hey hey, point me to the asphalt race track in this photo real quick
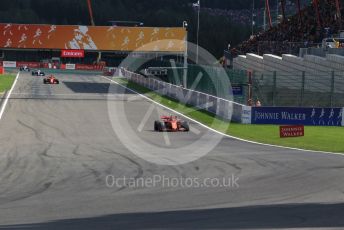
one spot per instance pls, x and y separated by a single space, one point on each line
57 147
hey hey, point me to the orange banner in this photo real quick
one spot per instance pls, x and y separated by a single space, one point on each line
103 38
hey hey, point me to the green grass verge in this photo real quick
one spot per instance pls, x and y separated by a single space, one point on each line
316 138
328 139
6 82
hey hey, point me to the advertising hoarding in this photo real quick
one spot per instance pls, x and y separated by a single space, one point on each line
297 116
73 53
103 38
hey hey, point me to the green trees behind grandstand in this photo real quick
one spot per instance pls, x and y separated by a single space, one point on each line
216 32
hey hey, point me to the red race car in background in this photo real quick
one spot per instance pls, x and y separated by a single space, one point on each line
171 124
51 80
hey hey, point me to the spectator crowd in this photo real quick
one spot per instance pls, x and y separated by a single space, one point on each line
236 16
244 16
295 32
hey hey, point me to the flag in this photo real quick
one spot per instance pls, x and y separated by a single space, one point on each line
197 4
338 14
267 9
316 6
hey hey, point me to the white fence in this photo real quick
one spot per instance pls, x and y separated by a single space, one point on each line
220 107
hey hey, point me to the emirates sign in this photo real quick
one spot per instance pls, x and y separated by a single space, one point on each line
73 53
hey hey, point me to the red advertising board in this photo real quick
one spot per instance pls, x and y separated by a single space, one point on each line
73 53
292 131
28 64
88 67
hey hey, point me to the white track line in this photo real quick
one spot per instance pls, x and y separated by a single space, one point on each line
218 132
8 96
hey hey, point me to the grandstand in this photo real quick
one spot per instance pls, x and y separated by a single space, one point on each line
290 63
306 29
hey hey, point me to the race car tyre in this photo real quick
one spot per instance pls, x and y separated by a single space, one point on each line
186 126
156 125
162 127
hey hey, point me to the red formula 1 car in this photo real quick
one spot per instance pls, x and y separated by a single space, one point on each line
171 124
51 80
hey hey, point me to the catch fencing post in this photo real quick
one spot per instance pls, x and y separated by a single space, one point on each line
217 106
302 88
274 89
250 85
207 103
198 100
332 88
